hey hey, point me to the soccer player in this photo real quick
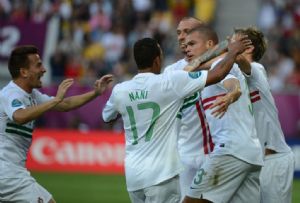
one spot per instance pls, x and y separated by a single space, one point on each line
194 141
20 105
276 177
148 104
231 172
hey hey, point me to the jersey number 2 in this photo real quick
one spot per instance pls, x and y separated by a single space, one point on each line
147 105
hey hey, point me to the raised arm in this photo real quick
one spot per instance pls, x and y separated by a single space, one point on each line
76 101
22 116
235 47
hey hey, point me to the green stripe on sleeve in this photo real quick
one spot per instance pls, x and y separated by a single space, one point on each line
13 125
18 132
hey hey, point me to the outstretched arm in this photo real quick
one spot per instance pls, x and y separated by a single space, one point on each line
235 47
74 102
22 116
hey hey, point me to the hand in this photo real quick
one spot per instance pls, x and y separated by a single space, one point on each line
63 87
221 105
240 59
101 85
238 43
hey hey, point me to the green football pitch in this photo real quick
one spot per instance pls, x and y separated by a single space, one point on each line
92 188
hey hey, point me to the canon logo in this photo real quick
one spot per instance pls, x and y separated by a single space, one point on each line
46 150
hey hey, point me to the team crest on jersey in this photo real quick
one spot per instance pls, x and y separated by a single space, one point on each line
16 103
195 75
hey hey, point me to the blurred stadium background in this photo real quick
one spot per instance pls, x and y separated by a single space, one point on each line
75 155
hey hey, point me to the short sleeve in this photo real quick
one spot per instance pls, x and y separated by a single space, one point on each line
258 75
110 112
12 102
185 83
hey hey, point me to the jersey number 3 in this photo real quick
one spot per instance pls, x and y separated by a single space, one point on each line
155 115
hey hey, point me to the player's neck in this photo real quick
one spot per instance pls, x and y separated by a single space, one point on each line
23 85
146 70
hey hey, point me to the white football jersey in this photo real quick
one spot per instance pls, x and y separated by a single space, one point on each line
15 139
235 132
268 126
148 105
194 135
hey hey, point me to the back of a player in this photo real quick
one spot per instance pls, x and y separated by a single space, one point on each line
149 114
277 173
149 104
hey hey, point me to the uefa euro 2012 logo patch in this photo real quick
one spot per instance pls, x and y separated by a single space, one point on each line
195 75
16 103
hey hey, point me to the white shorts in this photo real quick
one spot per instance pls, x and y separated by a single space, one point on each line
277 178
23 190
165 192
191 166
224 178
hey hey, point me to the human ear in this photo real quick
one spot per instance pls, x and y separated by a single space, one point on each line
209 44
24 72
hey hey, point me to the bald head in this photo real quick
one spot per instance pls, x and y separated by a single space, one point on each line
184 26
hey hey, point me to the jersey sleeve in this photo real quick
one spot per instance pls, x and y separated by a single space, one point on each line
110 111
11 103
185 83
258 75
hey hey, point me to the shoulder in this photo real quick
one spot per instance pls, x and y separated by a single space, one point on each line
259 69
178 65
9 90
257 66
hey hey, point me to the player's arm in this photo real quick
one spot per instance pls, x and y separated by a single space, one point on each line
244 64
220 106
206 58
76 101
110 113
25 115
235 47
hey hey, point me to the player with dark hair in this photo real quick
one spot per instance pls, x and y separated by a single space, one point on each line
148 104
194 141
20 105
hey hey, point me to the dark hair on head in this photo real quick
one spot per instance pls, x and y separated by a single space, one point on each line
19 59
145 51
207 32
258 41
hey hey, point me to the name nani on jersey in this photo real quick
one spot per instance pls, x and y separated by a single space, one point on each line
138 95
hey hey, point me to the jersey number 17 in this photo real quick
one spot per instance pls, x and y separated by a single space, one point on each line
155 115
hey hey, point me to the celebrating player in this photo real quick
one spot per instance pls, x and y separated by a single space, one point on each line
276 177
232 169
20 104
148 105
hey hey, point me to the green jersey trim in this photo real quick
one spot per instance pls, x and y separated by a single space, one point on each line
18 132
13 125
